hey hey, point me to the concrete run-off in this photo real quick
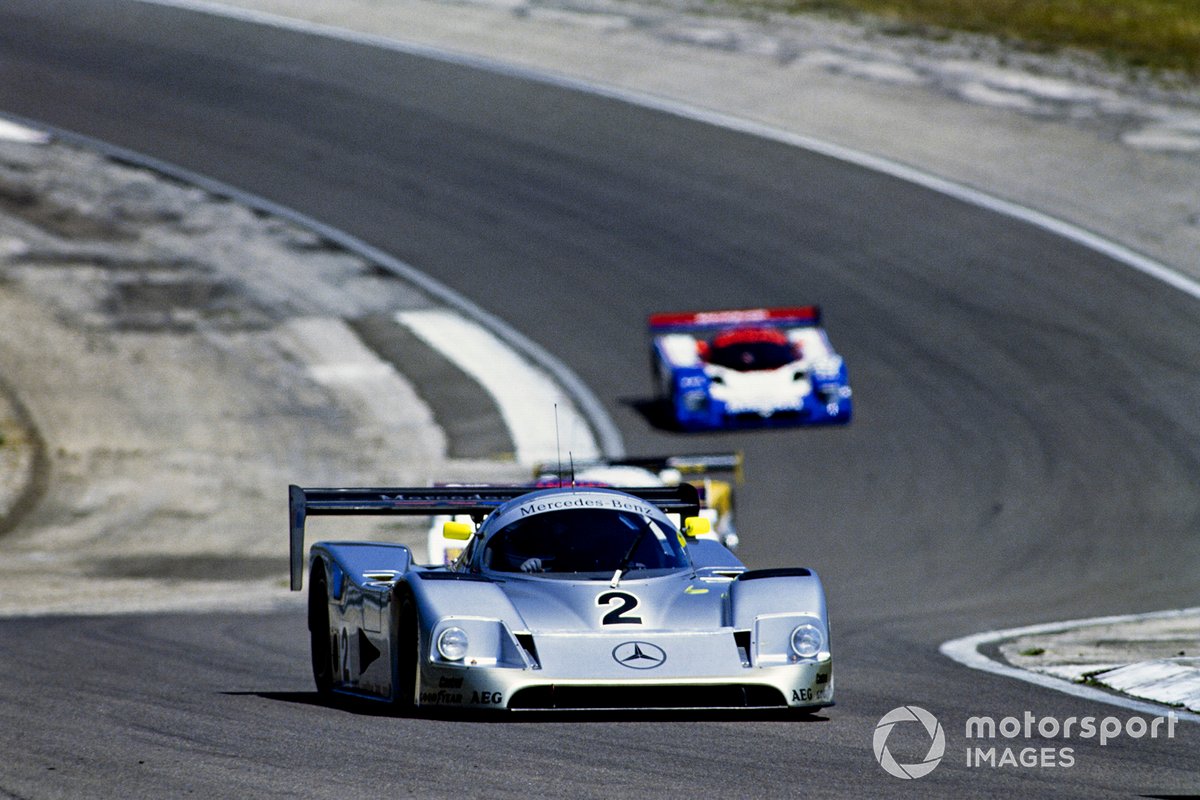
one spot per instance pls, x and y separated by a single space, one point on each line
181 360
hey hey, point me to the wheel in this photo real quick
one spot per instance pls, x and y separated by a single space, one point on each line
408 649
318 627
656 376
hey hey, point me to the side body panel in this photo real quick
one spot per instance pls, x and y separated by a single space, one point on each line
360 578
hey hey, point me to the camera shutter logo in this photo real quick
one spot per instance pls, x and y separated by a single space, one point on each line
937 745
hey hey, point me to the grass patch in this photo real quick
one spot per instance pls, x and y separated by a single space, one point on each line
1033 651
1160 35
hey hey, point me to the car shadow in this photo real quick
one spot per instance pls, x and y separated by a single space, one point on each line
374 708
656 411
638 715
659 415
353 705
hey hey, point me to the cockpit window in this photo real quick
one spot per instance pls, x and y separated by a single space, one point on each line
585 542
749 356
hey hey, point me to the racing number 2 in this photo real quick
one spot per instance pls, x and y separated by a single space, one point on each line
624 603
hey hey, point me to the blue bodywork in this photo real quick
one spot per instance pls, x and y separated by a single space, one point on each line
694 408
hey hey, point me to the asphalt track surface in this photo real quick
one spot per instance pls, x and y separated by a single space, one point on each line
1026 445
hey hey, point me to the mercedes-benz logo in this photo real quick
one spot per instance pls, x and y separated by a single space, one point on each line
638 655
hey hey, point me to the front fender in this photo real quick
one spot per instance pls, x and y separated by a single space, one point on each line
772 604
790 590
447 594
475 606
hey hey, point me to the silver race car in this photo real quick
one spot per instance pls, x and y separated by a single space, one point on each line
563 598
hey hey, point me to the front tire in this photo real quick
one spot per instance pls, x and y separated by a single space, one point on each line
408 650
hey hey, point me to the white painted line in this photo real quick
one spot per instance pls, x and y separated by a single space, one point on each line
337 358
12 132
526 396
966 652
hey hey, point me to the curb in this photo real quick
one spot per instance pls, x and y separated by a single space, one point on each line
970 652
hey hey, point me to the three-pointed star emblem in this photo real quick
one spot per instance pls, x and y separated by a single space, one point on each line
639 655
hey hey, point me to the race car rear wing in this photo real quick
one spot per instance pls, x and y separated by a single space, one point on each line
430 501
709 321
697 464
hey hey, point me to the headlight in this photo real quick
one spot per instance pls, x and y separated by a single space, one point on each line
452 644
807 640
695 400
828 368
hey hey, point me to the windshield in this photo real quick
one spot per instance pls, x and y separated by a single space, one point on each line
747 356
585 542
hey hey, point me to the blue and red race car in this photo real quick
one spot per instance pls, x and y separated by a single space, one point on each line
759 366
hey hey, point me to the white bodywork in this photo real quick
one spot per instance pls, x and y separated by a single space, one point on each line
440 550
761 391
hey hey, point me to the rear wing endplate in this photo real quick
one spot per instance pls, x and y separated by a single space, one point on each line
430 501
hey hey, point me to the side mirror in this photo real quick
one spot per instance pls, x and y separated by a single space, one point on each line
696 526
459 531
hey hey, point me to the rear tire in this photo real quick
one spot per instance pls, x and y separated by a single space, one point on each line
656 379
318 627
